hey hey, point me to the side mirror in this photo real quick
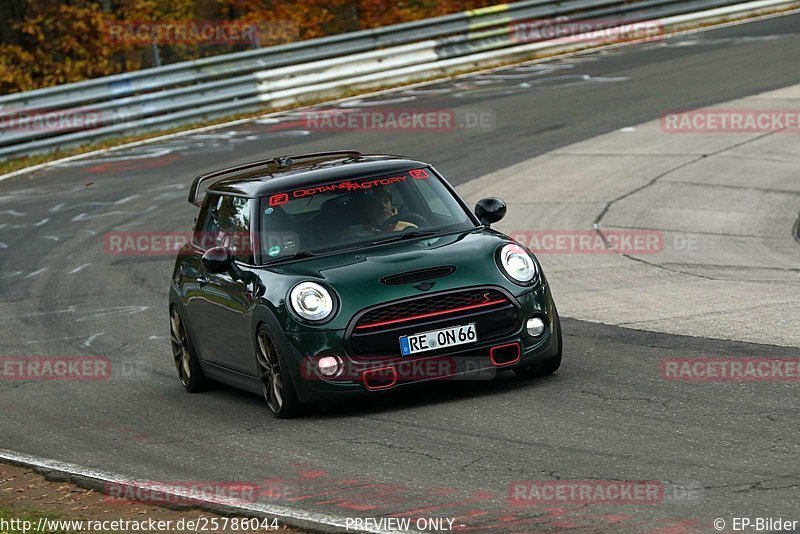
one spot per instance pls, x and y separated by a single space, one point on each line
490 210
218 260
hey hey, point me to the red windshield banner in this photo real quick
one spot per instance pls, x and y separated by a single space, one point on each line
348 185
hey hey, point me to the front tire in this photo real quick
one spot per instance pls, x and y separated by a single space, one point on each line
276 384
548 366
183 352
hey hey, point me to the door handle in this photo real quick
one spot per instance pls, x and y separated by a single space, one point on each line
202 281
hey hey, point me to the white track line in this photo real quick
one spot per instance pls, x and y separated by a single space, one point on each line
291 516
374 93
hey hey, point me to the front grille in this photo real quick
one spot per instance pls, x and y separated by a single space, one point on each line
432 306
376 333
418 276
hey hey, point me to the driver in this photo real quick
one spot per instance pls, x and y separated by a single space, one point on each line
378 214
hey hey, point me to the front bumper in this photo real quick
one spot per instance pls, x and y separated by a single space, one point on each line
477 361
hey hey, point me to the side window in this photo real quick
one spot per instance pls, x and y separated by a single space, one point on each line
225 221
207 227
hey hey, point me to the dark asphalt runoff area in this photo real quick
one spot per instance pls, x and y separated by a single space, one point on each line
714 450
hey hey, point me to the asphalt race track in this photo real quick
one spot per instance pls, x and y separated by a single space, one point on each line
721 449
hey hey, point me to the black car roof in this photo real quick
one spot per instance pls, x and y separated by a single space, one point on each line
291 172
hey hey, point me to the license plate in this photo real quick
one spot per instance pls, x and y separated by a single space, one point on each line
437 339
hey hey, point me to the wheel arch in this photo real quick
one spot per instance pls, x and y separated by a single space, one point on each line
265 315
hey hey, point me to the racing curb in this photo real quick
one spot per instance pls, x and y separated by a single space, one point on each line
56 471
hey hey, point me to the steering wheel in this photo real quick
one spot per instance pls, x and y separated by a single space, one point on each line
361 234
412 218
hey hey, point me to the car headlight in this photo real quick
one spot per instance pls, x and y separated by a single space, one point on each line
311 301
517 263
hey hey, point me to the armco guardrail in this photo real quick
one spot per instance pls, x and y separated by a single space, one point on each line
159 98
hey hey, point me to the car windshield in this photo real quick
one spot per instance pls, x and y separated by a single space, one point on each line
349 213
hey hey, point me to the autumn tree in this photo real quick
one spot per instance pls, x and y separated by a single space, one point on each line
51 42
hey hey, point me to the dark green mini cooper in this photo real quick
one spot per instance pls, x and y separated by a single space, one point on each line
324 275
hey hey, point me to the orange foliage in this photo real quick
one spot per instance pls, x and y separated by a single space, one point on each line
56 42
59 43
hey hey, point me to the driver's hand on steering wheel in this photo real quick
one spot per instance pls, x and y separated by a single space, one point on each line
399 226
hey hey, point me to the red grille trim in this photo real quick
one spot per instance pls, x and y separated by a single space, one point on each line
432 314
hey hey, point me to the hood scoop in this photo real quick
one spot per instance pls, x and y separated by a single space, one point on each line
418 275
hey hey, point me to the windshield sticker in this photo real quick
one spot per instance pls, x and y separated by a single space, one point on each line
274 250
277 200
349 185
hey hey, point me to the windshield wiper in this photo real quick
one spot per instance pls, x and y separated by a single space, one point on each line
405 235
296 256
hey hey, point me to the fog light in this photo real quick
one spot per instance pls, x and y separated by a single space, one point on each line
535 326
329 366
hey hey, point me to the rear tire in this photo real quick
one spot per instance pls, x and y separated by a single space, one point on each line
183 352
546 367
276 384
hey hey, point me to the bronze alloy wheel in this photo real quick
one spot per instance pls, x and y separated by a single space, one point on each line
180 347
270 372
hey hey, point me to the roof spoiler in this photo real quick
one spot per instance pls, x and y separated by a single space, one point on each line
280 161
